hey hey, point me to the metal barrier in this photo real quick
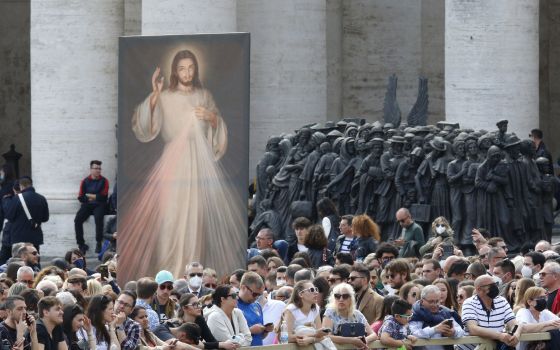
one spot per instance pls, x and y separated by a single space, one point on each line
485 344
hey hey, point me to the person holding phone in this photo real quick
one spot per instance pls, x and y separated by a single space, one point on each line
302 315
431 320
341 310
148 340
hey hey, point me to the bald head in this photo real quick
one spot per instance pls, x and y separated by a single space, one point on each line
483 281
403 217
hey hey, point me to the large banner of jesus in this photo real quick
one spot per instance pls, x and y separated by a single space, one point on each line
183 155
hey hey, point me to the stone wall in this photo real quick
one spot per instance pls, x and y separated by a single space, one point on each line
15 111
492 66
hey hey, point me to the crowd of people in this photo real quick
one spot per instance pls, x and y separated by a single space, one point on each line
315 290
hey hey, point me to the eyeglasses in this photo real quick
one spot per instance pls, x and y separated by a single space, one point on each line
344 296
211 285
199 274
333 280
195 305
233 295
311 290
261 238
353 278
166 286
120 302
255 294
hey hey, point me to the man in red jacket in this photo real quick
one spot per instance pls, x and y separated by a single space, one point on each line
94 190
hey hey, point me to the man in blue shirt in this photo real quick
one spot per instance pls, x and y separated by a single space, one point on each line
251 289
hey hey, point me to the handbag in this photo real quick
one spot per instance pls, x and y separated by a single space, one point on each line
351 329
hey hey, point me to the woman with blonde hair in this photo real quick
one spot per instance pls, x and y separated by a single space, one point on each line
441 233
368 236
520 288
340 310
534 317
302 315
94 287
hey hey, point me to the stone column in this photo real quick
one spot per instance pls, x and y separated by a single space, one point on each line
73 104
492 63
288 66
161 17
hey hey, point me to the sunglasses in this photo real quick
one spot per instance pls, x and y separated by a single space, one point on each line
255 295
233 295
166 286
311 290
210 285
333 280
344 296
460 297
440 225
195 305
199 274
353 278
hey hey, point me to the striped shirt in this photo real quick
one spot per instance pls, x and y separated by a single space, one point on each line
345 247
495 319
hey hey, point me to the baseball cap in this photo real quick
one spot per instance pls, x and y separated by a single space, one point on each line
164 276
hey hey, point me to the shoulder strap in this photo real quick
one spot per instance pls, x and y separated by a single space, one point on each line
24 205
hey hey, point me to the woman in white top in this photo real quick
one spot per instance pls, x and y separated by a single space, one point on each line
225 321
534 317
303 312
103 320
342 309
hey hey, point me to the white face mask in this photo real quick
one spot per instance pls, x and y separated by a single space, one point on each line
440 229
526 271
280 282
195 282
498 280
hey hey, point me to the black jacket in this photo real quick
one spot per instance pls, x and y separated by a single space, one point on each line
364 247
21 228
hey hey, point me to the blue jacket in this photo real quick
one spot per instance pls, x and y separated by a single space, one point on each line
21 228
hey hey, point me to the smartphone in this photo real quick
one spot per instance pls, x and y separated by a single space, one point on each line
104 271
268 324
449 322
513 330
447 251
326 330
28 319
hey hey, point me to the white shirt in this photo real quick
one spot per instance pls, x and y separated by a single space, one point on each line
525 316
272 311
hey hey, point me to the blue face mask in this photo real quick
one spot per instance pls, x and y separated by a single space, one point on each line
79 263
